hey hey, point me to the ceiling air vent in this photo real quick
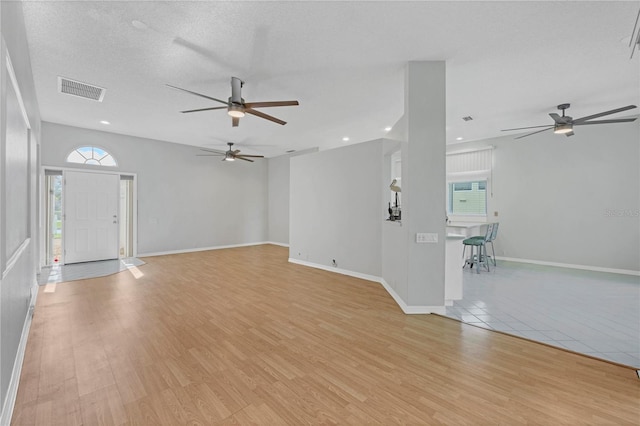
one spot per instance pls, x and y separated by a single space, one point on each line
82 90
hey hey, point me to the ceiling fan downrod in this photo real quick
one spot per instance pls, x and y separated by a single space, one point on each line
562 107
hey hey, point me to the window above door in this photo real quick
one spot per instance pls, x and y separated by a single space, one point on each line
91 155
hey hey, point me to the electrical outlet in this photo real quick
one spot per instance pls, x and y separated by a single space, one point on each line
334 262
495 214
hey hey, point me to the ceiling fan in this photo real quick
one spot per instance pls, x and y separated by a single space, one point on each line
563 125
236 106
229 155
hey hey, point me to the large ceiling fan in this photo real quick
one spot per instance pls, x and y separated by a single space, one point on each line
229 155
563 125
236 106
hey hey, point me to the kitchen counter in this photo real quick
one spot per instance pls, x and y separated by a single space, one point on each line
466 228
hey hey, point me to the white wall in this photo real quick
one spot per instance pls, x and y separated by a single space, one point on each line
568 200
278 184
184 201
336 208
423 180
18 226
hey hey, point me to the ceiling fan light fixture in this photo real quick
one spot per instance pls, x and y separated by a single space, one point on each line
561 129
236 111
228 157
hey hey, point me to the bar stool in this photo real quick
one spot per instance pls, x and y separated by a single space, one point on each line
478 243
494 234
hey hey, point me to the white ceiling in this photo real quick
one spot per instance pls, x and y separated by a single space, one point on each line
508 65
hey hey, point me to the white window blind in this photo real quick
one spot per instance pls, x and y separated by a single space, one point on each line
468 181
469 161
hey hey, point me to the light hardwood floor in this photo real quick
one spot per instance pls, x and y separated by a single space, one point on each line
240 336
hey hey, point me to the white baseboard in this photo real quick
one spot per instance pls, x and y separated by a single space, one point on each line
12 391
336 270
277 244
193 250
571 266
407 309
412 309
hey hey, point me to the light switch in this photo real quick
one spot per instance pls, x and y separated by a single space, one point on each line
426 237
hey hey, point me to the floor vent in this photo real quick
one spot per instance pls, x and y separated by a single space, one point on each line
82 90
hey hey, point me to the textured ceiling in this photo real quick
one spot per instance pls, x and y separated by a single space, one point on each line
508 65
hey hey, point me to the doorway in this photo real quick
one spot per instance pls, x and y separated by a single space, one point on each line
90 216
80 209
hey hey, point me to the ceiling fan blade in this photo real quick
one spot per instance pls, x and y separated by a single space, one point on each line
215 151
199 94
209 155
236 152
270 104
529 134
523 128
602 114
569 134
617 120
557 118
235 121
202 109
252 156
241 158
265 116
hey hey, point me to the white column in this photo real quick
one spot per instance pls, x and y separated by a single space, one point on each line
424 180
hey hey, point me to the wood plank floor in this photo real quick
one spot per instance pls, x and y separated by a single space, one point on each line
240 336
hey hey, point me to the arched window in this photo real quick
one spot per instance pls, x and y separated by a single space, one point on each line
91 155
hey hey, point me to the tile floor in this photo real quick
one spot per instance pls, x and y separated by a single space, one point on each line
594 313
84 270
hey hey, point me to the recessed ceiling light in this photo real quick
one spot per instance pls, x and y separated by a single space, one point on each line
345 139
459 138
139 24
386 129
104 122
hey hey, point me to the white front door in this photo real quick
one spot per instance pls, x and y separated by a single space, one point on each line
91 216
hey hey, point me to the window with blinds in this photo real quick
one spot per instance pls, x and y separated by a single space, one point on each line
468 198
468 178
